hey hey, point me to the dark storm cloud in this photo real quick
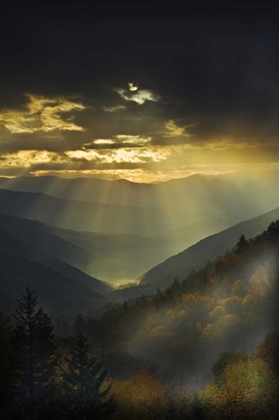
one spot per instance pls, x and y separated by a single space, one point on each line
212 77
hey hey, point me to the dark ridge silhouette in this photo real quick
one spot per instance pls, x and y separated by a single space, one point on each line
10 245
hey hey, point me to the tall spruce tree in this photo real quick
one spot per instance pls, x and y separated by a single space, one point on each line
5 371
83 381
241 245
35 359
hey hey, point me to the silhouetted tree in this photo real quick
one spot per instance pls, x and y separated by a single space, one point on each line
175 284
273 231
80 325
197 411
34 360
269 351
125 306
5 371
83 380
241 245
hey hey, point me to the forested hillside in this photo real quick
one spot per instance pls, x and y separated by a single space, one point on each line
230 303
206 347
197 255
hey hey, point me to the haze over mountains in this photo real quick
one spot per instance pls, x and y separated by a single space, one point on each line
95 217
58 283
207 249
115 231
220 193
117 258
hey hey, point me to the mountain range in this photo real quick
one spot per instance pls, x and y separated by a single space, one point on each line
145 235
115 257
232 193
196 256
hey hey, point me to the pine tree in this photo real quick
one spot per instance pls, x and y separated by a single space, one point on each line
273 231
35 360
5 371
80 325
197 411
83 380
241 245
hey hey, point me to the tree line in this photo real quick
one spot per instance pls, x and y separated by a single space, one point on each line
37 382
208 319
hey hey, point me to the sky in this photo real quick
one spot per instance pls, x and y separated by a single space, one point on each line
207 102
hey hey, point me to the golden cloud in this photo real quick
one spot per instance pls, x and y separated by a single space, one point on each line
102 141
176 131
26 158
138 140
42 114
140 97
113 108
119 140
125 155
133 175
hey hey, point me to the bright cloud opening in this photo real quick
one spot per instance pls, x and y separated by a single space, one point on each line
140 97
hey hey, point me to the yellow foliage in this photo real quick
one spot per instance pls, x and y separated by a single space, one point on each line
238 288
181 313
248 391
223 325
217 312
218 293
158 331
138 397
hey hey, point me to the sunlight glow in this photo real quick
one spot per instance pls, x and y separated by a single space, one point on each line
176 131
102 141
151 176
25 158
131 155
137 140
140 97
113 108
42 114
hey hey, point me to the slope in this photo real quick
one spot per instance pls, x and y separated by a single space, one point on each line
58 294
245 194
116 258
199 254
16 247
95 217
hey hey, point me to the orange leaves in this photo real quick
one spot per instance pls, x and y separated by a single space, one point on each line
138 397
269 351
247 390
222 327
238 288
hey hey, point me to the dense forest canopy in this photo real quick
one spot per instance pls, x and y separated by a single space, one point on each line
206 346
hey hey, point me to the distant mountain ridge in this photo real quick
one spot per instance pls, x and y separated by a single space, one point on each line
95 217
222 193
196 256
113 257
62 288
59 294
13 245
118 242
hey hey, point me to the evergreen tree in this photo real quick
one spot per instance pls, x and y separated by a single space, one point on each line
273 231
5 371
35 360
125 306
197 411
241 245
80 325
83 381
